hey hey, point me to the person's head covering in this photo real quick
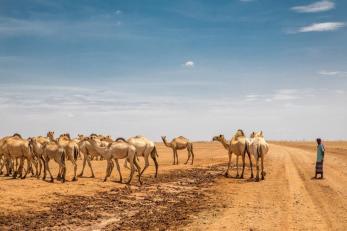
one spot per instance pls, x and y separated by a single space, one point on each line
319 140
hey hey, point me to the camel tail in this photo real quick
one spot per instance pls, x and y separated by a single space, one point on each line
154 155
259 151
63 156
76 153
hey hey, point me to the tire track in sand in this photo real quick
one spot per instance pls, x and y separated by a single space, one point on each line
303 212
330 202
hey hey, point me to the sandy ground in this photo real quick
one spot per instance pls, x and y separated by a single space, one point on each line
186 197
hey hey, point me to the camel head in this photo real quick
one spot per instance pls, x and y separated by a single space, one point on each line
65 136
107 139
50 135
239 133
218 138
93 135
257 134
31 140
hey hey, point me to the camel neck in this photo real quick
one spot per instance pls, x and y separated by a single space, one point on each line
167 144
224 143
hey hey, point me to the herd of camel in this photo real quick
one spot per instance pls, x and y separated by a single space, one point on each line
38 151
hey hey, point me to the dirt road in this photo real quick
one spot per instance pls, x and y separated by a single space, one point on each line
188 197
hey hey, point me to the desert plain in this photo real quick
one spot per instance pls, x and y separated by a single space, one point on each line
188 197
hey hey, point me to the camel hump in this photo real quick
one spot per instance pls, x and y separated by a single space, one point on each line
17 135
182 137
121 139
139 136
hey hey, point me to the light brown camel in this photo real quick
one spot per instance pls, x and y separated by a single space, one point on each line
145 148
52 150
36 144
71 151
239 146
89 151
180 143
258 148
18 148
117 150
4 161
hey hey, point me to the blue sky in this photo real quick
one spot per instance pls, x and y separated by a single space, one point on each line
193 68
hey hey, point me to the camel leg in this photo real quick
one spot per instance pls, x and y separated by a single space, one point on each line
109 168
36 165
118 168
49 171
59 173
75 170
237 166
176 153
262 167
139 169
39 170
146 164
132 167
191 150
9 167
29 168
250 163
14 167
2 165
63 170
174 157
125 165
84 164
44 168
257 163
90 166
154 158
243 164
189 154
20 168
229 163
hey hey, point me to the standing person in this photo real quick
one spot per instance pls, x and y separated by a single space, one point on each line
320 158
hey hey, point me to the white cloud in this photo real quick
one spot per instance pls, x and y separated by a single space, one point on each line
325 26
286 94
332 73
189 64
315 7
118 12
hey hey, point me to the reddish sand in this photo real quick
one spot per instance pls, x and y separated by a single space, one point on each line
189 197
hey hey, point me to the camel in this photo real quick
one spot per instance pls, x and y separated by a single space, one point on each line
180 143
117 150
145 148
71 151
258 148
16 147
239 146
89 151
37 148
4 160
53 150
